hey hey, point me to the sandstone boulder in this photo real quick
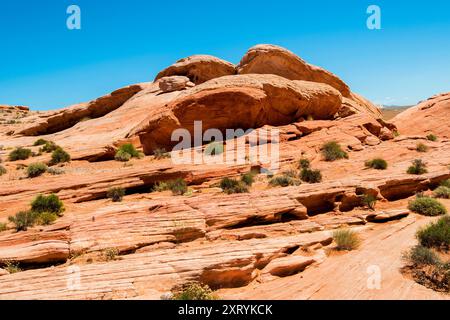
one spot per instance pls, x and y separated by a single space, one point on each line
243 101
199 68
174 83
270 59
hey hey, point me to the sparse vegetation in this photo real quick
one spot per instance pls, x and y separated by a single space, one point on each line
369 201
178 186
12 267
116 194
50 203
346 240
230 186
248 178
332 151
377 163
307 174
49 146
195 291
111 254
126 152
19 154
45 218
55 171
432 137
40 142
418 167
304 163
446 183
284 181
420 255
442 192
59 156
23 220
421 147
427 206
3 226
214 148
436 234
36 169
161 154
2 170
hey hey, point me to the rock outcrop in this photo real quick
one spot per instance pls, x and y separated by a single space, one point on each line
199 68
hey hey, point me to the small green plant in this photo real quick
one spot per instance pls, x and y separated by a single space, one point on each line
50 203
49 146
304 163
161 154
195 291
369 201
23 220
3 226
346 240
311 176
122 156
418 167
126 152
36 169
2 170
446 183
427 207
442 192
431 137
178 186
436 235
111 254
214 148
230 186
421 147
248 178
46 218
59 156
12 267
284 181
116 194
420 255
19 154
40 142
332 151
377 163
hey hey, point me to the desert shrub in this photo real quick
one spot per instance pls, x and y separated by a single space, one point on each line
2 170
284 181
45 218
248 178
446 183
417 167
420 147
55 171
377 163
369 201
3 227
195 291
346 239
161 154
23 220
431 137
50 203
40 142
122 156
436 234
214 148
130 149
111 254
311 176
19 154
442 192
160 186
230 186
59 156
427 206
304 163
178 186
420 255
36 169
332 151
49 146
12 267
116 194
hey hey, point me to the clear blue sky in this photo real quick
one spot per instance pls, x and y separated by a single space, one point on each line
45 65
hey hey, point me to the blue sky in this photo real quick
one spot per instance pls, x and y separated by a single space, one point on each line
45 65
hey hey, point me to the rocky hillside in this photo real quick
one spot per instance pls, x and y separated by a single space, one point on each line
128 230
